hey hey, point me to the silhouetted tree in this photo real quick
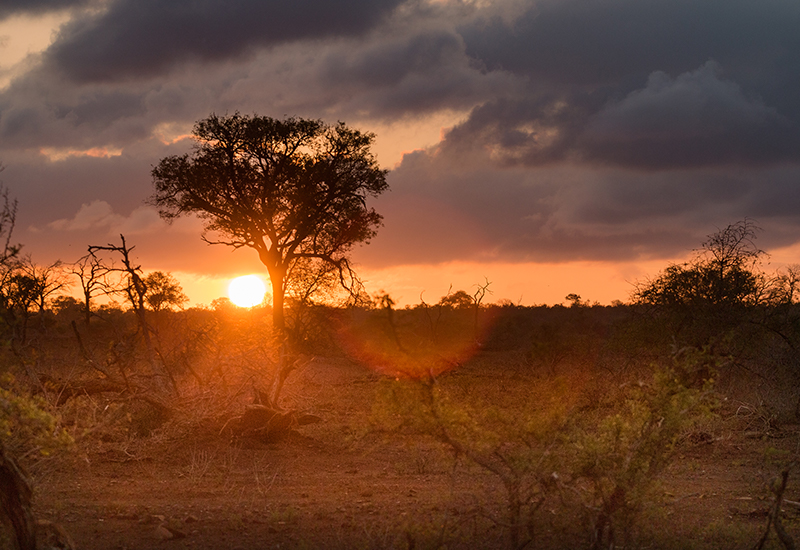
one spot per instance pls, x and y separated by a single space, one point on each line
716 296
294 190
26 288
48 279
18 292
8 255
724 272
67 305
574 299
163 291
93 277
8 218
135 290
782 289
458 299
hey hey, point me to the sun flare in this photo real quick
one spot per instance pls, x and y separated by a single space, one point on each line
247 291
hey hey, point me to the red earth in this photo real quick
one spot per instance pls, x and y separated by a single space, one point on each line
343 484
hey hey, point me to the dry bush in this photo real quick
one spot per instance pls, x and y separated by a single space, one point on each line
506 425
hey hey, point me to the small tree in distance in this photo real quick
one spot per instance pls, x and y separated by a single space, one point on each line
458 299
294 190
723 273
721 291
163 291
93 277
134 288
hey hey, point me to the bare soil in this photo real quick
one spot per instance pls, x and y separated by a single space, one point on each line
340 484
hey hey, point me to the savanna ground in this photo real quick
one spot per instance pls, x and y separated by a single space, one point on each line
338 485
378 472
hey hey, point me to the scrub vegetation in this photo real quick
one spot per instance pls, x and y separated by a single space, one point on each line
668 421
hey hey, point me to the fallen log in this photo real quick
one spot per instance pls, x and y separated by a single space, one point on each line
67 390
266 423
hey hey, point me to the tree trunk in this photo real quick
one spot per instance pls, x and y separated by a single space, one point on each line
276 278
87 307
278 315
15 498
162 378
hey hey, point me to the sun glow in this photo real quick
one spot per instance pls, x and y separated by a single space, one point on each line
247 291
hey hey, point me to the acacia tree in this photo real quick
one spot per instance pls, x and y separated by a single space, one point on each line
18 292
48 279
294 190
8 252
724 272
163 291
8 218
719 292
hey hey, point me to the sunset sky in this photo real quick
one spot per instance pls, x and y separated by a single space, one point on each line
550 146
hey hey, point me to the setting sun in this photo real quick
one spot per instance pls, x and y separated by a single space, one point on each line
247 291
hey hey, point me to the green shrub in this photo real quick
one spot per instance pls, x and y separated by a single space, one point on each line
26 427
508 430
620 453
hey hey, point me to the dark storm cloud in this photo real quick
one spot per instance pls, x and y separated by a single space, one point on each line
388 63
588 43
51 190
410 74
35 7
35 117
535 130
695 119
142 38
646 84
561 213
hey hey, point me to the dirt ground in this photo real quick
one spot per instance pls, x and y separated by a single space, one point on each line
339 485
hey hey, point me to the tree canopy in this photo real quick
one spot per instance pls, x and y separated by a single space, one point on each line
294 190
724 272
163 291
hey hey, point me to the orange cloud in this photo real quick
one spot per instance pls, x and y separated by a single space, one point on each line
54 154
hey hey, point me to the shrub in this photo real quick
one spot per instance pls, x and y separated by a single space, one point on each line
514 441
621 453
26 427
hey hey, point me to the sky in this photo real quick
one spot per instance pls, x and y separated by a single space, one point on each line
546 146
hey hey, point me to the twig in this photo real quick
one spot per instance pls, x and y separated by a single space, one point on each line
774 519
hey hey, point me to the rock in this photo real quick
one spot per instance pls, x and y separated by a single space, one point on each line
165 531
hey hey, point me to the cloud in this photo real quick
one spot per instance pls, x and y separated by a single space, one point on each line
579 43
141 220
445 209
40 110
99 215
35 7
145 38
694 119
607 68
533 130
338 80
545 83
409 74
